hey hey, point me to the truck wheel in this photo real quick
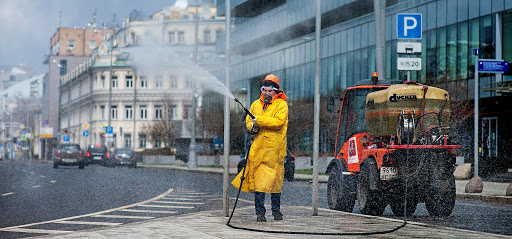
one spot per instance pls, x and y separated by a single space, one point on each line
371 201
55 165
441 202
397 204
340 193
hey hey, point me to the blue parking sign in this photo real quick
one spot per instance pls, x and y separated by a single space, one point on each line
408 25
65 138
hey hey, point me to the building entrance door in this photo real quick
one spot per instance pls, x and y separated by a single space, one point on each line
489 140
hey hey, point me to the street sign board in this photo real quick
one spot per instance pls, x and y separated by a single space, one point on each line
23 137
408 47
492 66
65 138
408 64
85 125
46 132
408 25
85 133
109 130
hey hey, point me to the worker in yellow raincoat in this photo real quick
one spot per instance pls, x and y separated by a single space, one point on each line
264 171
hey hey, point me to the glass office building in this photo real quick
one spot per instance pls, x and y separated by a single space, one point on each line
277 36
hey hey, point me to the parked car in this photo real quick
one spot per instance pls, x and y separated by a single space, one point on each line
124 156
69 154
289 165
97 154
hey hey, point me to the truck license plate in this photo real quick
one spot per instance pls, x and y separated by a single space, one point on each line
388 173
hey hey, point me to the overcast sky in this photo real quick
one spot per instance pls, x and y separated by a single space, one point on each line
26 26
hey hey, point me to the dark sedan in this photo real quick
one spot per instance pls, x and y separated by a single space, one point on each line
69 154
124 156
97 154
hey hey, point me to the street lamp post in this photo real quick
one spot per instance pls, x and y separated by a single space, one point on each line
192 161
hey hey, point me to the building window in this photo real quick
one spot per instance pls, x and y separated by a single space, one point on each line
63 67
102 111
114 112
189 83
158 112
114 144
103 81
158 81
142 140
127 140
71 44
128 112
207 36
172 39
158 144
129 81
218 33
181 37
92 44
187 110
173 81
143 82
114 81
173 112
143 112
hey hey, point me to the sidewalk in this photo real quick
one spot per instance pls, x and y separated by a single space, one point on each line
212 224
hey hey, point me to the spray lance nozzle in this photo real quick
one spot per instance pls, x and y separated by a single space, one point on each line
246 111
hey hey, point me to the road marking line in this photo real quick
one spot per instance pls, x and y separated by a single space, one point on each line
190 193
36 186
189 196
91 214
183 199
53 181
170 202
146 211
123 216
90 223
29 230
7 194
241 199
42 176
165 206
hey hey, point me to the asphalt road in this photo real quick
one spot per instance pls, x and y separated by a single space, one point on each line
71 199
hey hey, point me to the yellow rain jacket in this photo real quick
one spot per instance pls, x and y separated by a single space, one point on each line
265 165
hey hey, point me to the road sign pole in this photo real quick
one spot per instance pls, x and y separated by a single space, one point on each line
475 137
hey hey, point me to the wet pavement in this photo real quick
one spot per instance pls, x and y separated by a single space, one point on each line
298 222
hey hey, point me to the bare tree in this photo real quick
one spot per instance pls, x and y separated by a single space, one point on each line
162 130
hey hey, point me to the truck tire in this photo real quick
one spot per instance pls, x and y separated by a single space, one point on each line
340 189
440 202
371 200
397 203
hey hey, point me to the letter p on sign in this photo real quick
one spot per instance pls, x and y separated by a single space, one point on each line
408 25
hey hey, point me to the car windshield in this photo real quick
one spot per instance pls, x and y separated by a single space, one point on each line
123 151
93 149
69 147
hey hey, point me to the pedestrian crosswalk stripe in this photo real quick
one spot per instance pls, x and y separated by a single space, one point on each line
147 211
183 199
165 206
31 230
123 216
171 202
89 223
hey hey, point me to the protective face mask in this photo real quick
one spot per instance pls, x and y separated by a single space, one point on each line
267 99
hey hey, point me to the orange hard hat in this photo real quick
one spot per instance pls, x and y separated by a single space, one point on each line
271 78
374 74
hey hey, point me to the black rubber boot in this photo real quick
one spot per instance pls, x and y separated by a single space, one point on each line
278 216
261 217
